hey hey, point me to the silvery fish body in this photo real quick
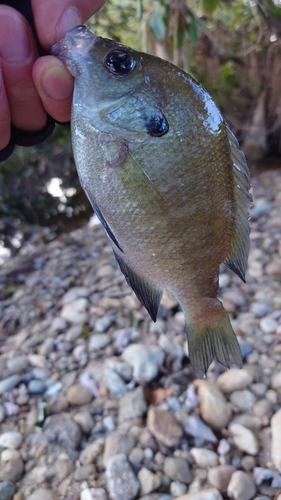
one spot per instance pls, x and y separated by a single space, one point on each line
167 179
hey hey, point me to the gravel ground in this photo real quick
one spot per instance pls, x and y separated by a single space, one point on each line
97 402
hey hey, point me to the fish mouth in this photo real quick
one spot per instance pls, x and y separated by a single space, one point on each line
76 44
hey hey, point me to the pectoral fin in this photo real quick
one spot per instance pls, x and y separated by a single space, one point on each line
239 249
103 221
148 293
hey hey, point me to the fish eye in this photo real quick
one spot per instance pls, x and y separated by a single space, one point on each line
119 62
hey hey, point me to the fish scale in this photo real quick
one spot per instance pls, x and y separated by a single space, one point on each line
167 179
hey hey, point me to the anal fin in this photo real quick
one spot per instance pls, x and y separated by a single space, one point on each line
148 293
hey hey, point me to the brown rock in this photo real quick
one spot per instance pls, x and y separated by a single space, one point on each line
117 442
164 427
78 395
213 406
273 268
220 475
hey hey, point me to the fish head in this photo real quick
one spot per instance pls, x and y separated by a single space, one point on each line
112 90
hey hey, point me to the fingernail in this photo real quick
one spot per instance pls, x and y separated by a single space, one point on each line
19 46
57 82
69 19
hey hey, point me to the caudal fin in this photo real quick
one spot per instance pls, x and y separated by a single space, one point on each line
212 338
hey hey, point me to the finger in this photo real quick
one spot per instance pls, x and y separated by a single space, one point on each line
54 84
5 115
18 53
62 16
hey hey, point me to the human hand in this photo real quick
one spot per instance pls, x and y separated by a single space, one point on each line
31 86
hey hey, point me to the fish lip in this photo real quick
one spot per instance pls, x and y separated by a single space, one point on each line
76 44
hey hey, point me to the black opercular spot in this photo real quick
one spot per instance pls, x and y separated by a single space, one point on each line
119 62
157 125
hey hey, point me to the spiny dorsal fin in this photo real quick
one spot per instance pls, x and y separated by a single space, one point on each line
148 293
239 249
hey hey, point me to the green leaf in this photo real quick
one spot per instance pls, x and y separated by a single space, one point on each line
157 26
210 5
192 30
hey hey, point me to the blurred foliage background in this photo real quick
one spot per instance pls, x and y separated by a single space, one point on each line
232 47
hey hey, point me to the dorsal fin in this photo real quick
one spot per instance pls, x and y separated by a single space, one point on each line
148 293
239 249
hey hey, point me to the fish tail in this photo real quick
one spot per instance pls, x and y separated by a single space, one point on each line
210 336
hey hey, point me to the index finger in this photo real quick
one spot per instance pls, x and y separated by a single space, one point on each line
54 18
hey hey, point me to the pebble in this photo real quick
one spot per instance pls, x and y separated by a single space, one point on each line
148 481
93 494
7 490
268 325
36 387
9 383
17 364
9 454
62 429
102 324
2 413
91 452
78 395
164 426
118 442
208 494
204 458
177 469
177 489
132 405
120 367
241 486
244 438
113 382
276 440
121 480
85 420
213 405
136 456
220 475
243 400
99 341
11 439
11 470
84 472
75 312
145 361
234 380
43 494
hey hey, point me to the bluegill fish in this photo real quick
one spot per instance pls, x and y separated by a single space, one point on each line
167 179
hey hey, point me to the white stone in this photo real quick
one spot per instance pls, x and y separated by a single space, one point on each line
148 481
244 438
244 399
241 486
11 439
204 457
208 494
234 380
145 361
